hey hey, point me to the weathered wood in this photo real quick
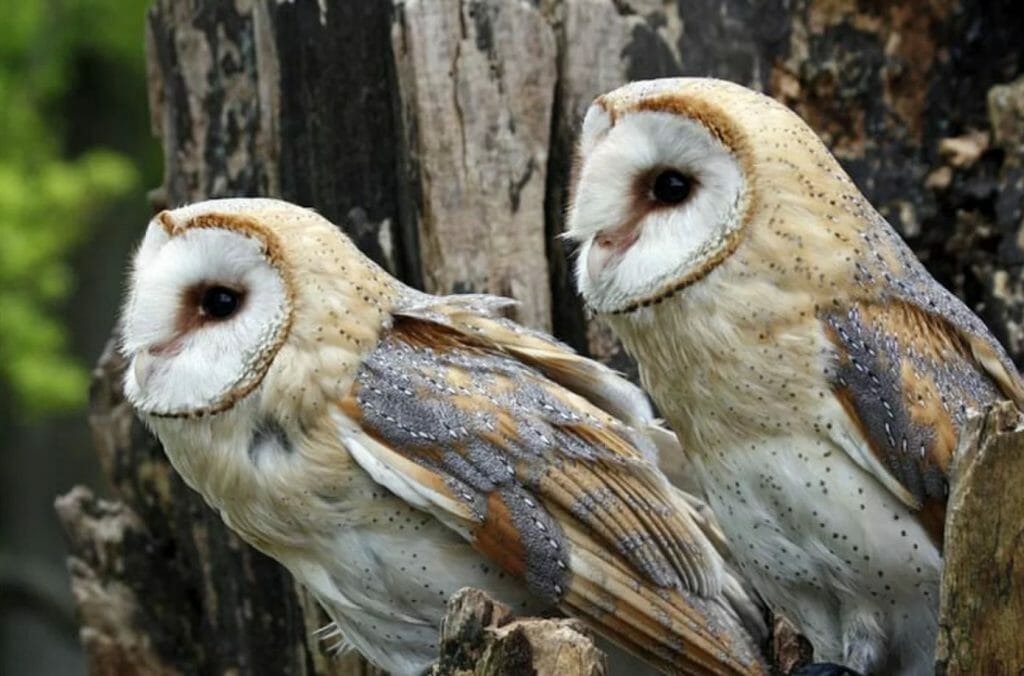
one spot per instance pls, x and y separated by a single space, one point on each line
983 581
477 83
109 609
482 637
439 134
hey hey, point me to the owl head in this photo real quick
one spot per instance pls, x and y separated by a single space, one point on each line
229 296
674 176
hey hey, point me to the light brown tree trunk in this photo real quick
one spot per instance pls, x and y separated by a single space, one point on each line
439 134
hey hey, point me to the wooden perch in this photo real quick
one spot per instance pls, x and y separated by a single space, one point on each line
982 617
481 637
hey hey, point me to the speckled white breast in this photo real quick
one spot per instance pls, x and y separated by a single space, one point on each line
830 548
822 539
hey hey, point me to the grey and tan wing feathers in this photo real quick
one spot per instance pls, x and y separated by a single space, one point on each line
912 363
479 316
549 487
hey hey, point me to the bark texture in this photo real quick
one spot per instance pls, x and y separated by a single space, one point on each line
481 637
438 134
983 583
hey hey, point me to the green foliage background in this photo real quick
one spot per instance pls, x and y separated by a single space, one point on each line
67 131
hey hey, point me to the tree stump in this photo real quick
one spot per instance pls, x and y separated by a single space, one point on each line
982 614
481 637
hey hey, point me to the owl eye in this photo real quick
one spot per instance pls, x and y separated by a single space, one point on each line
671 187
220 302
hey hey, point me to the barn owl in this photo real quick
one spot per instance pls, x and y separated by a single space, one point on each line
817 376
389 447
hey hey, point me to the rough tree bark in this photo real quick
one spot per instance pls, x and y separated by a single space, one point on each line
481 637
983 584
438 133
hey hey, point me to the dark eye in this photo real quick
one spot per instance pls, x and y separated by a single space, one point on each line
671 187
220 302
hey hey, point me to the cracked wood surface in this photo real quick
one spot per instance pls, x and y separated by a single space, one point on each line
482 637
439 134
477 84
983 582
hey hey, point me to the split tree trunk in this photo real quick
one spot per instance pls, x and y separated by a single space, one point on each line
439 134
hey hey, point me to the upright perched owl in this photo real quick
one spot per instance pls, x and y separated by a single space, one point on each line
817 376
389 447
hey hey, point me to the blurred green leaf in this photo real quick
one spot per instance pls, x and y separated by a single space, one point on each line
49 201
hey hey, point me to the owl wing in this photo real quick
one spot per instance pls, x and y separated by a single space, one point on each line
546 485
478 315
909 370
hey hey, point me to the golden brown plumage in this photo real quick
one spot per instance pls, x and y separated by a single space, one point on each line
817 375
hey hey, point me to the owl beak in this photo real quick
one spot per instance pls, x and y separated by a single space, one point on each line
609 246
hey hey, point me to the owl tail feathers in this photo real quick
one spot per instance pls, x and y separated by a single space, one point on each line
675 631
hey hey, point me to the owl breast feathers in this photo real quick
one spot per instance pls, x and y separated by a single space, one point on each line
389 446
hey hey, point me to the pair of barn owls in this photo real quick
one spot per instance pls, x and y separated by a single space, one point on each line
389 447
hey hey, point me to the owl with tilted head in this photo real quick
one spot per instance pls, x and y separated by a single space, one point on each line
818 377
389 447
